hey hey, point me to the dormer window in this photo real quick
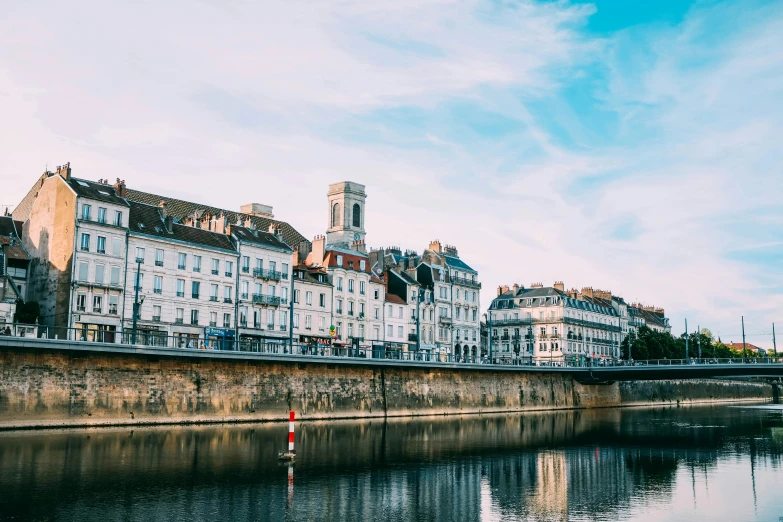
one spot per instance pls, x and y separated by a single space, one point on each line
339 260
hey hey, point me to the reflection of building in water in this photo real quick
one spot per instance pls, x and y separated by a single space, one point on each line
550 499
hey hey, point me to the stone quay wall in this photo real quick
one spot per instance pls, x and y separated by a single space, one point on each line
70 384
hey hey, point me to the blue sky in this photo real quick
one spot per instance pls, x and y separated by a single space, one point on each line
629 146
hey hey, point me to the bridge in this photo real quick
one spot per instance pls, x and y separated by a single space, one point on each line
767 367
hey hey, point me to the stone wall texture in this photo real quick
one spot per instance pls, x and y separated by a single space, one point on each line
53 387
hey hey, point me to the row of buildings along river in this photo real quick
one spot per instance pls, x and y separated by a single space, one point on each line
93 252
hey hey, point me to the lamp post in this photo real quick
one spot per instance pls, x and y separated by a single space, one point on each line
136 303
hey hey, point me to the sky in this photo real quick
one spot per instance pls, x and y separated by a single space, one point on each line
631 148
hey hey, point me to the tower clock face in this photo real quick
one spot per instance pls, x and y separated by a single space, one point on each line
356 236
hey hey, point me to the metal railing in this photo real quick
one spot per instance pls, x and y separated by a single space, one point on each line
154 335
266 299
261 273
465 282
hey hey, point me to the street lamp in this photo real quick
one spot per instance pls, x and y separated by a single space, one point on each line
136 302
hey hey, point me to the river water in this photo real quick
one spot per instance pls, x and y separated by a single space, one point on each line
663 464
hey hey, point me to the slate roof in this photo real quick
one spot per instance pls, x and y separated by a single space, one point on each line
455 262
98 191
15 252
258 237
8 226
405 277
311 276
506 300
152 225
180 209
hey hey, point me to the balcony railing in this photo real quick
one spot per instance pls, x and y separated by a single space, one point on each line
179 320
465 282
194 322
213 323
182 267
215 271
283 327
266 299
213 298
158 263
260 273
227 300
181 294
245 269
158 290
243 296
270 326
229 274
195 296
444 319
156 318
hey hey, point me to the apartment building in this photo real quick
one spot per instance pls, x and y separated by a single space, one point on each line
312 305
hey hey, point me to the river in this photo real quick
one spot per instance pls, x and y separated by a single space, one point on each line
656 464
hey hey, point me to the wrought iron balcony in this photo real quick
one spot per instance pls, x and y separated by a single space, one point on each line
465 282
213 298
444 319
266 299
179 320
260 273
227 300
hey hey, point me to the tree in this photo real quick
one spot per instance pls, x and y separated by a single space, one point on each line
27 313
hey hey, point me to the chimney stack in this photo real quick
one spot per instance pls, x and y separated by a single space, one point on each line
435 246
559 286
258 210
119 188
515 288
64 170
317 252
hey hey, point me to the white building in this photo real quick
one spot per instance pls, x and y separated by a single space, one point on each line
313 306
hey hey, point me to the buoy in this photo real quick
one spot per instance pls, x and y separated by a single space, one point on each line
290 454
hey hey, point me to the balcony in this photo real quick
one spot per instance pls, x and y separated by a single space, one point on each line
194 322
137 288
85 248
182 267
226 325
197 269
213 324
229 274
465 282
180 293
243 324
158 263
285 275
260 273
444 319
156 318
283 327
81 309
213 298
227 300
270 326
179 320
215 271
245 269
195 296
140 260
157 290
266 299
243 296
101 250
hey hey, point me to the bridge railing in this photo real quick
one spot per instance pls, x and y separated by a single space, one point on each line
273 342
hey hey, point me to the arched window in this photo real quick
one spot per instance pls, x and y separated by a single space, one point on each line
357 215
336 215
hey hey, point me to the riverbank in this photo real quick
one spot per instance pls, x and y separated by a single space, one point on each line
57 387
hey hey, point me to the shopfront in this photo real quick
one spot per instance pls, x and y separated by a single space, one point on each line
219 338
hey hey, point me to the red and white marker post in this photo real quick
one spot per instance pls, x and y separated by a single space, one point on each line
291 432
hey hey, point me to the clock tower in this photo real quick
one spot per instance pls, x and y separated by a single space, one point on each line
346 213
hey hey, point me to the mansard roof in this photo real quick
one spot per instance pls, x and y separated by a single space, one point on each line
264 239
98 191
147 220
455 262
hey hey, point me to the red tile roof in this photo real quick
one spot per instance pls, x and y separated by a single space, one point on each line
395 299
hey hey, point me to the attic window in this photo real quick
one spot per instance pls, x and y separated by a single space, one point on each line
141 226
103 192
82 183
158 230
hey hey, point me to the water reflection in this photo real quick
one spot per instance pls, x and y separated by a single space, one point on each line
646 464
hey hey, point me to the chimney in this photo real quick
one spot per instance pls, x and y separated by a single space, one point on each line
559 286
218 224
257 210
435 246
537 285
587 291
515 288
316 256
64 170
276 230
164 211
119 188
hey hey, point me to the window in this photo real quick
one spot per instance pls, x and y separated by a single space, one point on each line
227 290
474 315
361 287
180 288
139 254
194 317
84 267
227 320
285 270
308 322
296 321
113 302
336 218
350 329
339 306
86 212
377 313
339 260
283 319
357 216
391 311
157 285
215 266
243 316
116 246
273 266
197 263
156 312
284 293
245 289
182 259
229 268
259 288
101 215
101 249
85 244
213 295
158 257
361 309
296 296
376 334
259 264
270 319
458 312
350 285
322 300
245 264
308 297
376 293
350 307
81 302
117 218
99 273
339 284
399 313
212 318
97 304
139 281
272 290
180 314
138 312
321 324
390 331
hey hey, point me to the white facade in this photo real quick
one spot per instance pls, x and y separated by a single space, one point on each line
98 268
375 321
398 323
312 306
351 281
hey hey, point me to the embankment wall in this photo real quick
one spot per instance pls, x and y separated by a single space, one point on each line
59 387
